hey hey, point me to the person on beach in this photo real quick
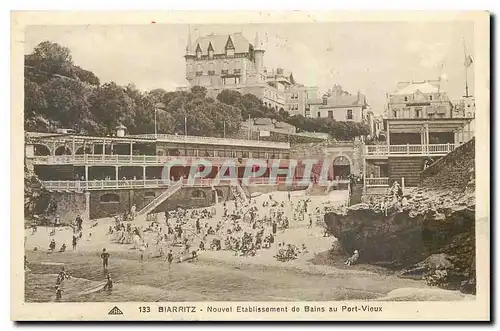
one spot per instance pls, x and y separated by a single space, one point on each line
61 276
52 246
58 292
105 258
74 242
132 211
198 227
109 283
170 258
79 222
352 260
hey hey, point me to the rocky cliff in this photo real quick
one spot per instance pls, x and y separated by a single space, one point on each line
429 235
34 194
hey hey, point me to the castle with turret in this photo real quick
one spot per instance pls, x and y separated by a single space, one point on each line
229 61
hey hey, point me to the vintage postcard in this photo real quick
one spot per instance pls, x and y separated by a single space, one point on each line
250 166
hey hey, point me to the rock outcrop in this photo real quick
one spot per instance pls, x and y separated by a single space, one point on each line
429 235
34 194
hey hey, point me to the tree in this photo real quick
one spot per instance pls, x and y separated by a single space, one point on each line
49 59
113 106
34 99
86 76
230 97
199 91
68 101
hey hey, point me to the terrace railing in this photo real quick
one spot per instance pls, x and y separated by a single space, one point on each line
214 140
377 182
129 159
408 149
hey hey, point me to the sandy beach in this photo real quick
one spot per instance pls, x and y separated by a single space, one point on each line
215 276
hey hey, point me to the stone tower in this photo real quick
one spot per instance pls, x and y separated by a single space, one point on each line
259 55
189 56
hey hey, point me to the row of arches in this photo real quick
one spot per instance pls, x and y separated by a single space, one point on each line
43 150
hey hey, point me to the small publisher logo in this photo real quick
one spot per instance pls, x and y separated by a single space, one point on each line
115 311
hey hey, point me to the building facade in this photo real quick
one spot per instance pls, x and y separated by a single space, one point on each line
339 105
229 61
421 125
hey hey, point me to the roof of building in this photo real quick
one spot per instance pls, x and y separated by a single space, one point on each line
412 87
219 42
346 101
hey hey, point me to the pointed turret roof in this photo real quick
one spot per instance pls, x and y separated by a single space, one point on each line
189 46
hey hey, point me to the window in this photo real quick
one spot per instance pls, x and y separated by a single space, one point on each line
394 114
211 72
109 198
150 195
430 97
319 114
406 98
418 112
220 153
330 114
349 114
325 101
224 72
237 71
229 52
198 194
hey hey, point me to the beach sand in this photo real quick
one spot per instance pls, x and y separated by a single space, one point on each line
215 276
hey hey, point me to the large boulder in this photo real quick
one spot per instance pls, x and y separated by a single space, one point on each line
431 237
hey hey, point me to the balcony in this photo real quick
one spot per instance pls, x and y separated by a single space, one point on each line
141 160
214 141
377 182
96 185
93 185
375 151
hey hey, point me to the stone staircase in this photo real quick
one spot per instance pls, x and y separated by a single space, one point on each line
159 199
407 167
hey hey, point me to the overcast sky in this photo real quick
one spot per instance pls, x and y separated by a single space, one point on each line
369 57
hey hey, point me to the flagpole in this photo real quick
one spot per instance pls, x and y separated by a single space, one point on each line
224 129
466 69
249 128
156 133
185 126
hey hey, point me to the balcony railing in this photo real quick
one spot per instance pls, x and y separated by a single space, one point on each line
140 160
71 185
377 182
215 141
432 149
92 185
